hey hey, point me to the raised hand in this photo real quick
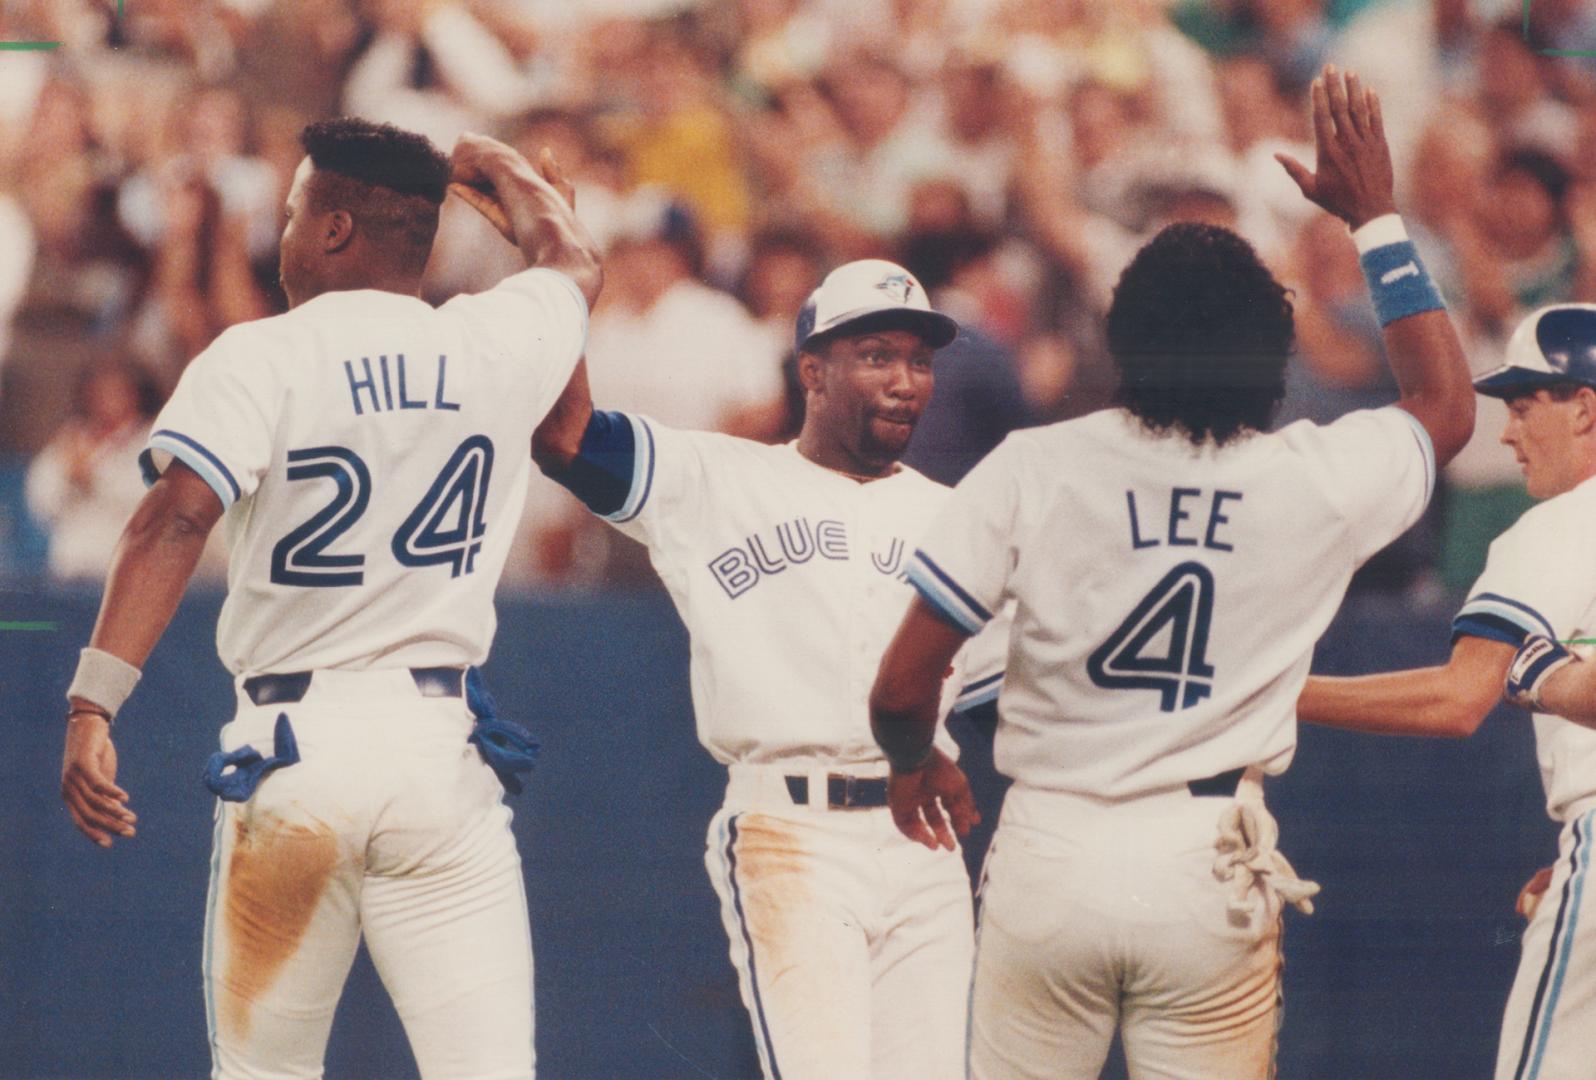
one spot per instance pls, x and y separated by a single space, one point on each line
532 207
480 163
1352 176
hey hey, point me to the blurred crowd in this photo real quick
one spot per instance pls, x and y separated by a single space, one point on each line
1012 153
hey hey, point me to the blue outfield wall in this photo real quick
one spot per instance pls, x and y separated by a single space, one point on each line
1420 846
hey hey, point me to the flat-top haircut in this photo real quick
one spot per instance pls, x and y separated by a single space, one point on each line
392 182
1200 331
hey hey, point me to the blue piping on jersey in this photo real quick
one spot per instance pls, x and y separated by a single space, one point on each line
944 596
643 470
1489 627
979 692
196 457
1493 606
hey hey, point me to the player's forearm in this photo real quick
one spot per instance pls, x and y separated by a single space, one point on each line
906 700
558 438
1433 374
1423 701
903 719
149 571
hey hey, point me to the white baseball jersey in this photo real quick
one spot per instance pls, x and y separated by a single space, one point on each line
371 452
790 577
1540 579
1168 597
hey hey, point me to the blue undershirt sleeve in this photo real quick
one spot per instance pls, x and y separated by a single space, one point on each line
603 472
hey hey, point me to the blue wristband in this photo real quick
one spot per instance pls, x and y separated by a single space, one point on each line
1398 282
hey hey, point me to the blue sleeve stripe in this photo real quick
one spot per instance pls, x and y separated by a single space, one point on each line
978 693
1427 448
953 586
1523 615
941 600
980 683
642 472
1489 627
196 457
969 699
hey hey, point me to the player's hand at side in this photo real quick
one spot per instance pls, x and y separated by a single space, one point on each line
88 781
1529 897
1352 176
919 799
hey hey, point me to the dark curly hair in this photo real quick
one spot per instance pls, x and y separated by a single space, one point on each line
1200 331
378 155
391 181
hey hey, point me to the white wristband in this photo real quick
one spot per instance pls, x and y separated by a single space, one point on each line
103 679
1378 232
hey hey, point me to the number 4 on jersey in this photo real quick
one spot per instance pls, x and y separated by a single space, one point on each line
1163 644
457 498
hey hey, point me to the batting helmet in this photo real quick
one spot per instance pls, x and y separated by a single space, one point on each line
1555 345
876 290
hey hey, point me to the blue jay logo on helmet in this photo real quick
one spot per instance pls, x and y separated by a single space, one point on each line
898 286
866 288
1555 345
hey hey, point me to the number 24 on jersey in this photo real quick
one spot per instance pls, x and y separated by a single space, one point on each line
445 528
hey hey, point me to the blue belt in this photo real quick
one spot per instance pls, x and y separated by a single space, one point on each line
289 687
842 792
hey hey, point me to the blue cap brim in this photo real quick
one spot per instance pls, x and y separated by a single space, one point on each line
1509 381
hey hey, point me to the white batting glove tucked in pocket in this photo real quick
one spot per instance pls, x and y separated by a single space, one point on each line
1248 859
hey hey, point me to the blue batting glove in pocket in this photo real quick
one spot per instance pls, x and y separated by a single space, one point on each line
234 775
507 747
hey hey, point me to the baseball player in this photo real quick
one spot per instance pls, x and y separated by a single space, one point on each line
1173 563
786 563
1537 592
367 451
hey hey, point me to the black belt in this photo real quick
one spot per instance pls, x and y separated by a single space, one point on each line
842 792
289 687
1221 784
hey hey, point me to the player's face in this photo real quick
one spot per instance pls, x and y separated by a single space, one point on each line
1540 431
875 386
296 250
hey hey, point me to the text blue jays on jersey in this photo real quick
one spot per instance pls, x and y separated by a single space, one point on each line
742 566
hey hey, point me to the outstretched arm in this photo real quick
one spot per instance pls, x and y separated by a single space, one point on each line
1353 180
1448 701
534 208
149 572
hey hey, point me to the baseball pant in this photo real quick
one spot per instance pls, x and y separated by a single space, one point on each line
390 825
1551 1010
1096 915
852 944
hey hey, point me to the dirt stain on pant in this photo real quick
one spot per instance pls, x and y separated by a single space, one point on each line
275 879
774 871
